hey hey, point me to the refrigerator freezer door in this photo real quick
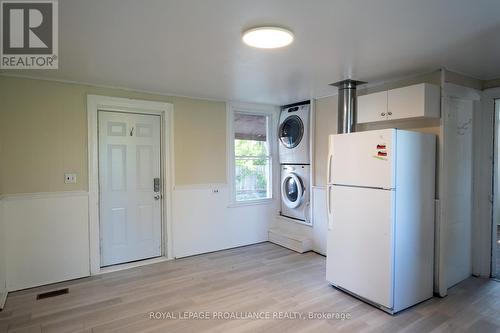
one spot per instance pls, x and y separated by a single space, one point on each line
360 243
362 159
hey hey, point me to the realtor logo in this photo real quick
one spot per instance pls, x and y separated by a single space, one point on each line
29 38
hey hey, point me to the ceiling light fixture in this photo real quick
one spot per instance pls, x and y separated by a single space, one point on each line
267 37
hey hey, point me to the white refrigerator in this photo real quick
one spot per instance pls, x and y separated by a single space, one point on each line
380 199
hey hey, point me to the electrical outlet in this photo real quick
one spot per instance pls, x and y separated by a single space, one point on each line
70 178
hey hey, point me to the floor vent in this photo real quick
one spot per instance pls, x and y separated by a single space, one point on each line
53 293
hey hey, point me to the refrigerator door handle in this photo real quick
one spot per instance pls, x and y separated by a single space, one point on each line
329 208
329 170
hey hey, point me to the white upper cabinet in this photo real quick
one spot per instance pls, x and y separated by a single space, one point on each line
416 101
420 100
372 107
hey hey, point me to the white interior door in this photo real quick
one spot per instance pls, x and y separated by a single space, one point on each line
360 242
456 218
130 208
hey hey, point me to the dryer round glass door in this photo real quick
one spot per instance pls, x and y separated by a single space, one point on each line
292 191
291 131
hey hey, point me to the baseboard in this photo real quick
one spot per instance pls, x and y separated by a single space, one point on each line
3 298
221 250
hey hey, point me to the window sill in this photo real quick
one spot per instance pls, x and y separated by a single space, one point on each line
250 203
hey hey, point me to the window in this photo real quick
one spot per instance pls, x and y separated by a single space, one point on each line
252 175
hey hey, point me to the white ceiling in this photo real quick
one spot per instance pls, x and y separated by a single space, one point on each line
193 47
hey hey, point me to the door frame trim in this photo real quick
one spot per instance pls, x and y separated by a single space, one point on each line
126 105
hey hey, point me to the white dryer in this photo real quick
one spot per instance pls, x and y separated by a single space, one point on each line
295 192
293 133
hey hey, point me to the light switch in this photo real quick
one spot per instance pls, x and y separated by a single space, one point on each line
70 178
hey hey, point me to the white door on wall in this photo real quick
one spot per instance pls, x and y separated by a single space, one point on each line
130 205
456 225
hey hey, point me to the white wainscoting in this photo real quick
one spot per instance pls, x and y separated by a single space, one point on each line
320 219
48 238
3 271
203 221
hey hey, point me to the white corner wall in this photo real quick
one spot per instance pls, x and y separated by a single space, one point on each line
204 221
319 219
48 239
3 268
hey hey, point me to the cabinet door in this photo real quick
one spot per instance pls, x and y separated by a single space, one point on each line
372 107
420 100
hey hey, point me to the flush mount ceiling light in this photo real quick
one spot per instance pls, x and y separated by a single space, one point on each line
267 37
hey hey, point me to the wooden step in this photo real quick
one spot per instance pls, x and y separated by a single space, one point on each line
289 240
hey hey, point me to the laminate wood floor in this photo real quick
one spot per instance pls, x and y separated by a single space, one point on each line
263 278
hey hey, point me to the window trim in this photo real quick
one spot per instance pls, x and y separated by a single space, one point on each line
270 111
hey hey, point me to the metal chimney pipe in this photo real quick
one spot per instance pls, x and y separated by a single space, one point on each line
347 105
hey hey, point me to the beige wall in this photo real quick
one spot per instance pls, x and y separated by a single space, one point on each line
200 141
432 77
3 270
43 133
491 84
462 80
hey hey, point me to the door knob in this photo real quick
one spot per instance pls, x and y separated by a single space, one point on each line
157 196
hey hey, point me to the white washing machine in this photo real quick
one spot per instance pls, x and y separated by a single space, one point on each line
293 133
295 192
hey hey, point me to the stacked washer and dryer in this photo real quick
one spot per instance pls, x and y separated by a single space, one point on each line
294 156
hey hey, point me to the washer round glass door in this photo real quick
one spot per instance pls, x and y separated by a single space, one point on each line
292 190
291 131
